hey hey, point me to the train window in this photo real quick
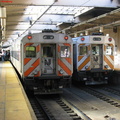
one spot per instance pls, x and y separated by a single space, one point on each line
109 50
95 50
83 50
65 51
30 51
47 51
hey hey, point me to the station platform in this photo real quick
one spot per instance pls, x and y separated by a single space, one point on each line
14 104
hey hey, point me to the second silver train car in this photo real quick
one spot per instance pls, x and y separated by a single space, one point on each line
93 59
44 61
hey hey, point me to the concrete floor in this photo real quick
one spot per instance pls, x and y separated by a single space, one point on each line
14 104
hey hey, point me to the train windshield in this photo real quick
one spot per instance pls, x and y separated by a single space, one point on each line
65 51
83 50
109 50
30 51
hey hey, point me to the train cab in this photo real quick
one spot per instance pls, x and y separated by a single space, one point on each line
93 59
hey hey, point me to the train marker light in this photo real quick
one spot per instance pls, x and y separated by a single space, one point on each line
66 37
29 37
61 71
82 39
110 39
86 67
106 66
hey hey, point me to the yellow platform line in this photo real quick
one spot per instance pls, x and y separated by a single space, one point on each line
14 102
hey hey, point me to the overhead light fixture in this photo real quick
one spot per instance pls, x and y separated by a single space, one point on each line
83 10
3 22
2 12
59 23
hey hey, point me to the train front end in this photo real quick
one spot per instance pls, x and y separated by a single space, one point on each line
47 62
95 59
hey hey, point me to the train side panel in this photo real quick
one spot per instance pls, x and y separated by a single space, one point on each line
15 55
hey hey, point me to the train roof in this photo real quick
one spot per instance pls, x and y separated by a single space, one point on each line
46 37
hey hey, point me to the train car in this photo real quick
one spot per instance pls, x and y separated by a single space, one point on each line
93 59
44 61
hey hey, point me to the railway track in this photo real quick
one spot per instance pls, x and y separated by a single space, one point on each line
112 90
84 103
55 108
94 103
101 95
73 111
40 110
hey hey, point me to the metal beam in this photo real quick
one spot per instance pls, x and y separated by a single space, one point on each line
93 3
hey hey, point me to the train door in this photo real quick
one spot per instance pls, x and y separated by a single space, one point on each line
48 58
96 56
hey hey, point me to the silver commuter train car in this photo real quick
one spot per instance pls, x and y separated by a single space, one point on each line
93 59
44 61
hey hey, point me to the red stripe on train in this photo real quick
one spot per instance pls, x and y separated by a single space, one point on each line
33 66
64 67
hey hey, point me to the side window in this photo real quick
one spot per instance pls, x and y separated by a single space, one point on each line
109 50
83 50
65 51
30 51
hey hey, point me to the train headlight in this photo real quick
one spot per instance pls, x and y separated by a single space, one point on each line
86 67
110 39
29 37
35 72
66 37
82 38
106 78
61 71
106 66
84 79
